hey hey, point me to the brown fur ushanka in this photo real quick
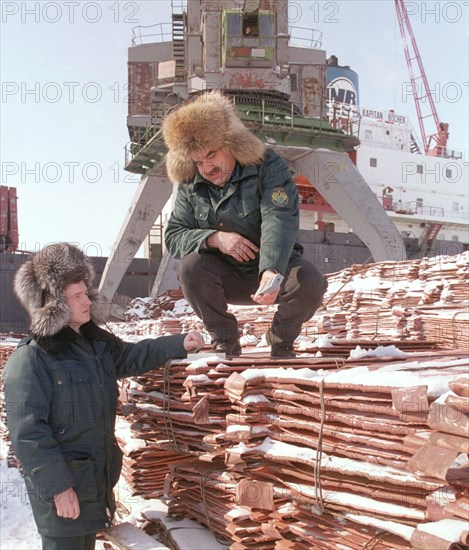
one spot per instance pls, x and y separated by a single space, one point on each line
208 121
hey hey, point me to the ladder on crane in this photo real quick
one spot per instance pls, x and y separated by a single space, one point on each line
434 143
178 20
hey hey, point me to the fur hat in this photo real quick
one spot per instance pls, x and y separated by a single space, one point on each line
208 121
40 282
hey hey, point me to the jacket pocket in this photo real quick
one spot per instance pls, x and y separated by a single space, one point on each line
201 214
73 398
83 470
250 204
68 373
250 199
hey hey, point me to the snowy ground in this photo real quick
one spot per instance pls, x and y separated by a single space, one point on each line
17 527
18 530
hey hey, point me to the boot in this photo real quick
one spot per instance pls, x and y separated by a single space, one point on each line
282 351
232 348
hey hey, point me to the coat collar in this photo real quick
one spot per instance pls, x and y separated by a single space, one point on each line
89 332
239 173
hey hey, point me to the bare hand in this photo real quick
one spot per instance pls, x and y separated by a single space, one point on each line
266 299
67 504
233 244
193 341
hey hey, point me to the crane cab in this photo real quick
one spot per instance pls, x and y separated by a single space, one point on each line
248 38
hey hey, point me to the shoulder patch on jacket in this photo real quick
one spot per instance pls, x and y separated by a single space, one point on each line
279 196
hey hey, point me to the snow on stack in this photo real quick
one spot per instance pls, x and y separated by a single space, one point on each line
145 464
414 301
404 300
339 441
351 448
344 448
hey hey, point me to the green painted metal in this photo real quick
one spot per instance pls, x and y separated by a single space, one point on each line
274 125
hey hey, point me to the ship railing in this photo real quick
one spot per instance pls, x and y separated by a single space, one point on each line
344 118
132 148
267 118
263 115
350 126
152 34
306 37
413 208
444 152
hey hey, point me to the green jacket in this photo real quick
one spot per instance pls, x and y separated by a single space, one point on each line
61 409
260 203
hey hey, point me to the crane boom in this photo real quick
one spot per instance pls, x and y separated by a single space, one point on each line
434 143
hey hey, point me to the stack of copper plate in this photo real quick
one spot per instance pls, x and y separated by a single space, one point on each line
145 464
6 349
447 326
325 452
418 300
185 403
346 442
223 502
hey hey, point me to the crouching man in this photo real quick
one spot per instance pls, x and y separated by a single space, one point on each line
61 396
235 225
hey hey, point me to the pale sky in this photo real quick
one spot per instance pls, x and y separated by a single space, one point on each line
63 103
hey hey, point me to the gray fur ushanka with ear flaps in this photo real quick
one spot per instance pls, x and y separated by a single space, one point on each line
40 282
208 121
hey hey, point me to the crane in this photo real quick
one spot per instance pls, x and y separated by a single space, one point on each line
434 143
277 88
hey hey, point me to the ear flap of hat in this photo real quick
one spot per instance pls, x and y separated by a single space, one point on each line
50 319
27 287
243 144
180 168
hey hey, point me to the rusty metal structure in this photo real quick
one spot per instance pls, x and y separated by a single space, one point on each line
276 77
9 236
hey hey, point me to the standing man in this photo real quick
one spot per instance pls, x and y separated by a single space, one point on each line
61 396
235 225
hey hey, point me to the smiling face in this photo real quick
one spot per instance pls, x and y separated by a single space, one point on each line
76 298
215 166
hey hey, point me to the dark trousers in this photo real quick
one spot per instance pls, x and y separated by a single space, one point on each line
83 542
209 283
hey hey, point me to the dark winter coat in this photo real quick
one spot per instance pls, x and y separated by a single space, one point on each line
260 203
61 398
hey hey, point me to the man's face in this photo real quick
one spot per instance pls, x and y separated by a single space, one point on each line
215 166
76 298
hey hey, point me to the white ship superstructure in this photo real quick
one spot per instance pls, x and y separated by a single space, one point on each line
425 196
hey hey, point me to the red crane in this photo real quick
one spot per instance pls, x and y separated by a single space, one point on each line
433 142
